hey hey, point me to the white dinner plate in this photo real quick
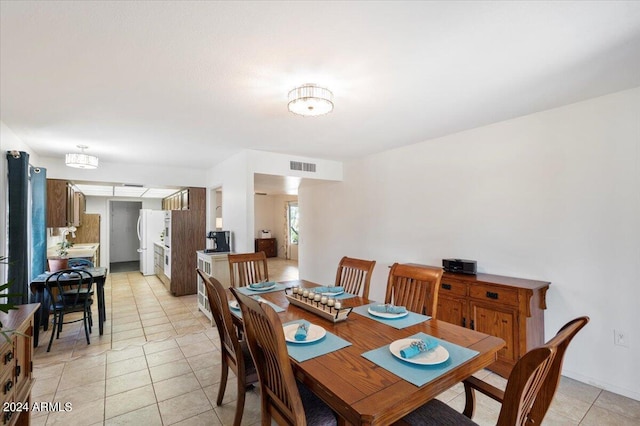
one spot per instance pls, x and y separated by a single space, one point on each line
387 315
261 289
314 333
328 293
435 356
234 304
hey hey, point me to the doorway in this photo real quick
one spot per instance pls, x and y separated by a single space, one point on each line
123 236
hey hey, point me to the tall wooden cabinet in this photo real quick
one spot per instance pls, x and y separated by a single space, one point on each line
267 245
16 366
188 235
505 307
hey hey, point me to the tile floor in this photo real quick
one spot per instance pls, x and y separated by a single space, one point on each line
158 364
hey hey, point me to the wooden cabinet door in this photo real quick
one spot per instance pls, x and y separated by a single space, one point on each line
56 203
23 356
500 322
452 310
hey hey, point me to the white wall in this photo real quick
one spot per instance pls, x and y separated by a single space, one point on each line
236 177
552 196
269 214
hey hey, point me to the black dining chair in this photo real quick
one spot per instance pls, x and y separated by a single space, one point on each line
70 291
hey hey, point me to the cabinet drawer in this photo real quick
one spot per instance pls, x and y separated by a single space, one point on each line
452 288
494 293
7 384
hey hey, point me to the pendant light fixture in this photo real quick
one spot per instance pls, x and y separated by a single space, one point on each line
310 100
81 160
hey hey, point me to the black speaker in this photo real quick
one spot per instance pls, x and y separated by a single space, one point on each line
461 266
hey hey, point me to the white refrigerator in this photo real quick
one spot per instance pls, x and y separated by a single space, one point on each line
150 227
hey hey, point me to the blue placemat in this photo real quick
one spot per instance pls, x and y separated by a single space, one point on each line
420 374
238 312
247 290
399 323
304 351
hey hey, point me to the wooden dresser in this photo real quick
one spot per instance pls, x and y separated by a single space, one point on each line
505 307
16 376
267 245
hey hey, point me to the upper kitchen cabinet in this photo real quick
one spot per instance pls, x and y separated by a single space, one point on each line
65 206
185 199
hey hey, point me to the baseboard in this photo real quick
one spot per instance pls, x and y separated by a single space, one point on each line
603 385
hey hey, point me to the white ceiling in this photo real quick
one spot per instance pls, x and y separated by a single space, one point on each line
143 82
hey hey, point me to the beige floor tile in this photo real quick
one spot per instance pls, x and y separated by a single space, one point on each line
209 359
123 354
206 418
161 336
46 371
80 377
190 339
176 386
126 327
578 390
251 413
136 341
190 329
153 347
598 416
147 416
127 335
82 414
157 320
95 348
81 395
183 407
569 407
126 366
127 382
199 348
153 329
164 357
172 369
116 405
619 404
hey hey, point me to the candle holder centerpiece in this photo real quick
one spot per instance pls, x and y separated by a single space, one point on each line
323 306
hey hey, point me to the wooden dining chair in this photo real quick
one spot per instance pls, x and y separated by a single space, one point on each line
235 352
415 287
527 397
283 399
247 268
355 275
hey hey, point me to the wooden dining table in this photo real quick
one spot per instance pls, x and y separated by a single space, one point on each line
362 392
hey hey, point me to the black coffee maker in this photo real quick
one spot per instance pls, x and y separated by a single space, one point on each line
221 241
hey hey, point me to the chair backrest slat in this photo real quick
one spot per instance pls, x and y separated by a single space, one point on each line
415 287
247 268
355 275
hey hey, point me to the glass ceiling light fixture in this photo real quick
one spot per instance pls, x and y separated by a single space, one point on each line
81 160
310 100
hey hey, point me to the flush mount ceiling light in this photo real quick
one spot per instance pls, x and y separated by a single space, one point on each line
81 160
310 100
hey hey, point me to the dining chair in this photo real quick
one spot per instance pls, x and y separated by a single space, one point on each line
415 287
355 275
235 352
283 399
527 397
247 268
70 291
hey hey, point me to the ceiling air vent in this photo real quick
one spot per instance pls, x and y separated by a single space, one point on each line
305 167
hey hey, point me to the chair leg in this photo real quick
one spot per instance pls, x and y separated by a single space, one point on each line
53 330
240 402
223 380
60 321
85 320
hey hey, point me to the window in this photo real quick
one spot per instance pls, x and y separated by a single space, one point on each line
293 222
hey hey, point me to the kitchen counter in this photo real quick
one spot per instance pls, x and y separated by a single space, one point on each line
84 250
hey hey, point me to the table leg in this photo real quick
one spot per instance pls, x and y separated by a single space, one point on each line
101 308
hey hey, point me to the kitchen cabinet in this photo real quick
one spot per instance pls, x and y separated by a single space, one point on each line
505 307
217 266
16 367
158 264
186 237
65 206
177 201
267 245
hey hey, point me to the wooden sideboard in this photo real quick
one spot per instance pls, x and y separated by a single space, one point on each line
16 367
505 307
267 245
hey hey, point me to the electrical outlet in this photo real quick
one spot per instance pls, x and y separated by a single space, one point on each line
620 338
